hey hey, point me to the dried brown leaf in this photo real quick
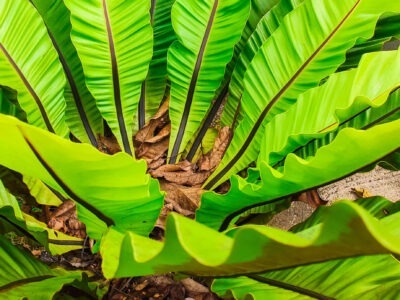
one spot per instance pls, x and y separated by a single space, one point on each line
153 152
211 160
108 145
184 200
157 128
193 286
64 219
361 192
162 134
311 198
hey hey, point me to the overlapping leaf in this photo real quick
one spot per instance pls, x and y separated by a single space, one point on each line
284 67
197 61
13 219
9 104
366 277
81 114
377 206
190 247
258 9
114 42
108 190
322 110
30 68
154 88
387 27
23 276
42 193
391 162
336 279
369 117
260 33
328 164
316 116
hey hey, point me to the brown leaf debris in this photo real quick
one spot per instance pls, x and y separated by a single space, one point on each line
64 219
108 145
151 142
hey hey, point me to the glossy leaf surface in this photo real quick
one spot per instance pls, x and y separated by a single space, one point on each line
81 114
217 211
31 68
114 41
197 61
189 247
284 68
24 275
108 190
363 277
155 87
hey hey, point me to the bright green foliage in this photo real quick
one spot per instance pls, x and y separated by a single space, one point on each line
196 62
115 58
13 219
362 103
347 230
217 211
42 194
24 276
307 104
365 277
154 88
109 190
284 68
336 279
30 68
265 27
81 113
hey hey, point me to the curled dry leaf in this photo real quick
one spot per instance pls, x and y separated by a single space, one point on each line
311 198
184 200
182 173
151 142
197 291
361 193
212 159
181 199
193 175
108 145
64 219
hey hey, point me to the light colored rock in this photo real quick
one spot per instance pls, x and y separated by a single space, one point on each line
378 182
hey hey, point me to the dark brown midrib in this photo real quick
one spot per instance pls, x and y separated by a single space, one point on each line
142 100
142 106
192 86
152 10
72 84
66 188
381 118
30 89
207 123
24 281
51 241
290 287
234 214
116 86
227 220
77 98
260 119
